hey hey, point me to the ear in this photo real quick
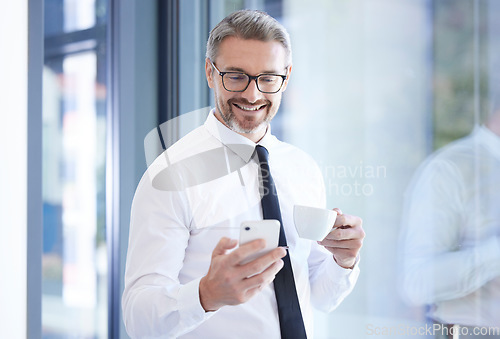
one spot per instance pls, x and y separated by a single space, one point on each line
209 72
285 83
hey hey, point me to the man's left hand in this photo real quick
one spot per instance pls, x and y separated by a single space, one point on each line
345 239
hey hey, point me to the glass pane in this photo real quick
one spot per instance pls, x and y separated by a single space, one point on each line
394 81
455 67
397 84
78 14
74 259
64 16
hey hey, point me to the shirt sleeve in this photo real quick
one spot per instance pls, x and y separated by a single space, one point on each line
330 283
436 264
155 304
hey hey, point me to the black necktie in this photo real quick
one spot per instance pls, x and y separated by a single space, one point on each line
291 323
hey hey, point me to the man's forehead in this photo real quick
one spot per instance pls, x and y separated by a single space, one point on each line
249 55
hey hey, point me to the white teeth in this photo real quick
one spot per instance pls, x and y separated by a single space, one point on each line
249 108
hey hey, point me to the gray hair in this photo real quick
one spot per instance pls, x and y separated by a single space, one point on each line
249 24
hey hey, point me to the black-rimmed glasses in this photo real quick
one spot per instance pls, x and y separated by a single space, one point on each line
238 81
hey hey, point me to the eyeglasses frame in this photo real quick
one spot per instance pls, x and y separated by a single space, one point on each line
250 78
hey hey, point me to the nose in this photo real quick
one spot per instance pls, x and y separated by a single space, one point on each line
252 93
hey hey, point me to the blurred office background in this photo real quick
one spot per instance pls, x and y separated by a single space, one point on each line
376 87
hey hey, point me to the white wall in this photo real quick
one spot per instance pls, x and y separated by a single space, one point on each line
13 168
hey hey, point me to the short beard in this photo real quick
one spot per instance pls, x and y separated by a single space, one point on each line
227 115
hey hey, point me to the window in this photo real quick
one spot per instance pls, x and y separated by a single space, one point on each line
74 262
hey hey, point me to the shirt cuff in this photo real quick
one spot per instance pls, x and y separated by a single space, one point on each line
189 305
349 268
332 284
350 275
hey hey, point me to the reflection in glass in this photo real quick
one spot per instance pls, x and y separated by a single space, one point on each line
74 260
451 245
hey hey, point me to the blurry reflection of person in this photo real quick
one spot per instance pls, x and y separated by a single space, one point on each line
451 239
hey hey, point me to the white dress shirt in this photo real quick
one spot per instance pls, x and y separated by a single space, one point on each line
451 244
196 192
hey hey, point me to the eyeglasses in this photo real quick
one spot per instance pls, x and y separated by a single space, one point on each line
238 82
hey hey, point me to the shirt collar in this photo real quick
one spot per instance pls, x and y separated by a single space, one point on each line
489 139
237 143
268 140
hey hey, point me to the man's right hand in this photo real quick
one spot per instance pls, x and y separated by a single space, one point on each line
230 283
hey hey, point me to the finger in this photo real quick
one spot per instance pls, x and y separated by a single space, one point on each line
223 246
347 220
342 244
254 290
245 250
263 262
355 232
265 277
338 210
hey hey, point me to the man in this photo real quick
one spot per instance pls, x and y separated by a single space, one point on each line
451 243
184 275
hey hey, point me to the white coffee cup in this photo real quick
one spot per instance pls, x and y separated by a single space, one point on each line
313 223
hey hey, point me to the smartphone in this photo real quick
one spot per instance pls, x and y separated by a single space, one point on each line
269 230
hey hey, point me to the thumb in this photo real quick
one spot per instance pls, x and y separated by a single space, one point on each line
223 246
339 212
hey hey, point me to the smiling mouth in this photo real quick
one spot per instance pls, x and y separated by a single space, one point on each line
249 108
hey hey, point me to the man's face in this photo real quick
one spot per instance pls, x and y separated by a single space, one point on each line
250 111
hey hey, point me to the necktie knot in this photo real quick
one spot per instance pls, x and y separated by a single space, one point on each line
262 153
